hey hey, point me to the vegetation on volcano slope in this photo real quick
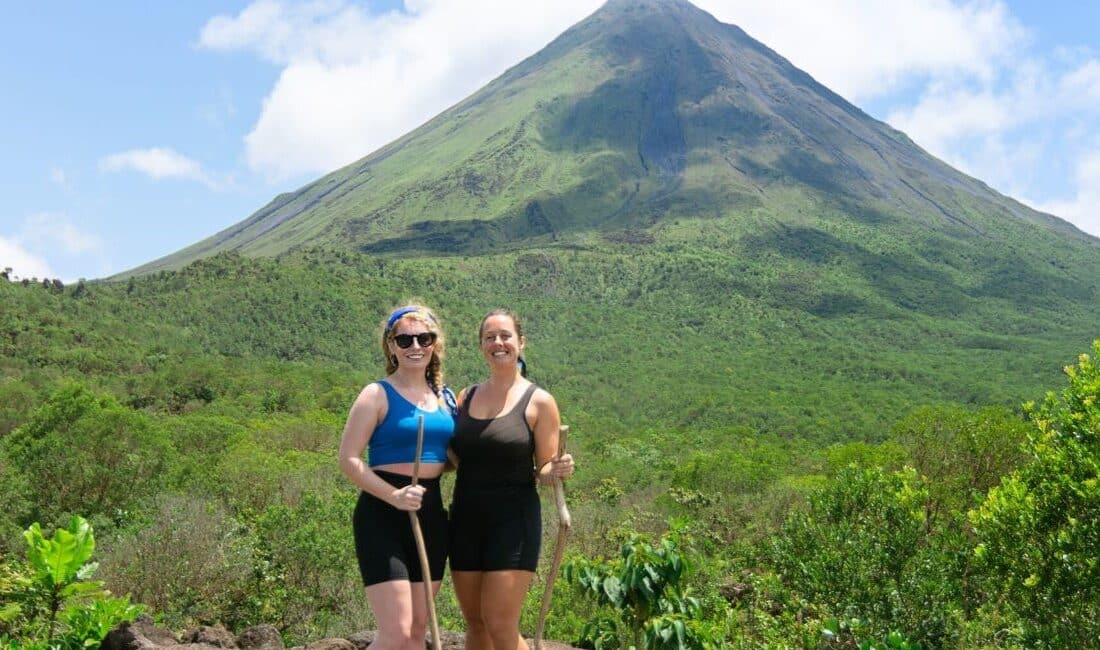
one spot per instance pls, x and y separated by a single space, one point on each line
705 384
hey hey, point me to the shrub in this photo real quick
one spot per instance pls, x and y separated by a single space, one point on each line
643 589
863 551
1038 531
50 602
87 454
191 564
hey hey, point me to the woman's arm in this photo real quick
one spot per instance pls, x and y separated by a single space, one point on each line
368 410
545 423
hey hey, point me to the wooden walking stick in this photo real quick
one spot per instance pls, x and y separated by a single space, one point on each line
565 524
425 568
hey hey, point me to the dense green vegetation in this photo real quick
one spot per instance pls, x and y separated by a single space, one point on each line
838 479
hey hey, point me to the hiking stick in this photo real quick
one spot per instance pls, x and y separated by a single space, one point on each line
425 569
565 524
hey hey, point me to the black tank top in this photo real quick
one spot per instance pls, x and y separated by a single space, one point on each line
495 452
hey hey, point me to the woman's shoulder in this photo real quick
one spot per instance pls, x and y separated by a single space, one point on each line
372 393
465 394
540 396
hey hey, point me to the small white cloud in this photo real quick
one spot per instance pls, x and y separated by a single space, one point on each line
59 177
217 113
1081 86
48 230
156 163
23 263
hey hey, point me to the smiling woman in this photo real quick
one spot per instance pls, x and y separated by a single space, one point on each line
506 440
385 421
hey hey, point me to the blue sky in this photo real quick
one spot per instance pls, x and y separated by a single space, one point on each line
133 129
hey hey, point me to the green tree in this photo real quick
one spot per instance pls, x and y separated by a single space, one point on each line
1039 530
961 453
87 454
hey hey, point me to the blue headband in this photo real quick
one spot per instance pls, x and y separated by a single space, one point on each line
395 316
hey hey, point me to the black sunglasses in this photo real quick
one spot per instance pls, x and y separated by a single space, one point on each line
425 339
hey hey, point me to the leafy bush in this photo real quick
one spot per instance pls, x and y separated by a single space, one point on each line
50 602
960 452
863 551
87 454
649 606
1038 531
309 554
191 564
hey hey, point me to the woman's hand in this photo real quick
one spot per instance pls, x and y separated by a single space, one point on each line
560 467
408 498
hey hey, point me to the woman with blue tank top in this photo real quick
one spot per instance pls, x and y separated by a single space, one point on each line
506 441
383 422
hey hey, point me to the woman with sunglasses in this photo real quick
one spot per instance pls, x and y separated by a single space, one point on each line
384 421
506 440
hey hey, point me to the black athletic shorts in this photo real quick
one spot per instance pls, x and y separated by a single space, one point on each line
495 528
384 542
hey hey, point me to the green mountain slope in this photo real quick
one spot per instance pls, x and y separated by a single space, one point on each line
645 112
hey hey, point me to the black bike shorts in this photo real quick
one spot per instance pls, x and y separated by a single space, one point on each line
384 542
495 528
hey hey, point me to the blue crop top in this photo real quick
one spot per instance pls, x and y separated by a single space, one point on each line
394 440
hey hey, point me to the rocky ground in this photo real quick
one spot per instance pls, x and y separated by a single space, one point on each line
143 634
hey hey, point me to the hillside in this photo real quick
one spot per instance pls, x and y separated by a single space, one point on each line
194 415
824 348
646 112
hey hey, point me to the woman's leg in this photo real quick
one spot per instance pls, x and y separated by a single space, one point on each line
420 614
468 590
392 603
502 595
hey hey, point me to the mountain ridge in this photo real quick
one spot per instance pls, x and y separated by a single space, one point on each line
644 112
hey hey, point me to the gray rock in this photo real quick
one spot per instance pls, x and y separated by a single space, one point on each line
362 639
261 637
331 644
139 634
216 636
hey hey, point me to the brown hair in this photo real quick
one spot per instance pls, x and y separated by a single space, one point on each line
421 314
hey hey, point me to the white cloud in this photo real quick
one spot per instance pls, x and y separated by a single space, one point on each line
59 177
352 81
48 230
23 263
867 48
1013 129
1083 210
1081 86
156 163
218 113
47 240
